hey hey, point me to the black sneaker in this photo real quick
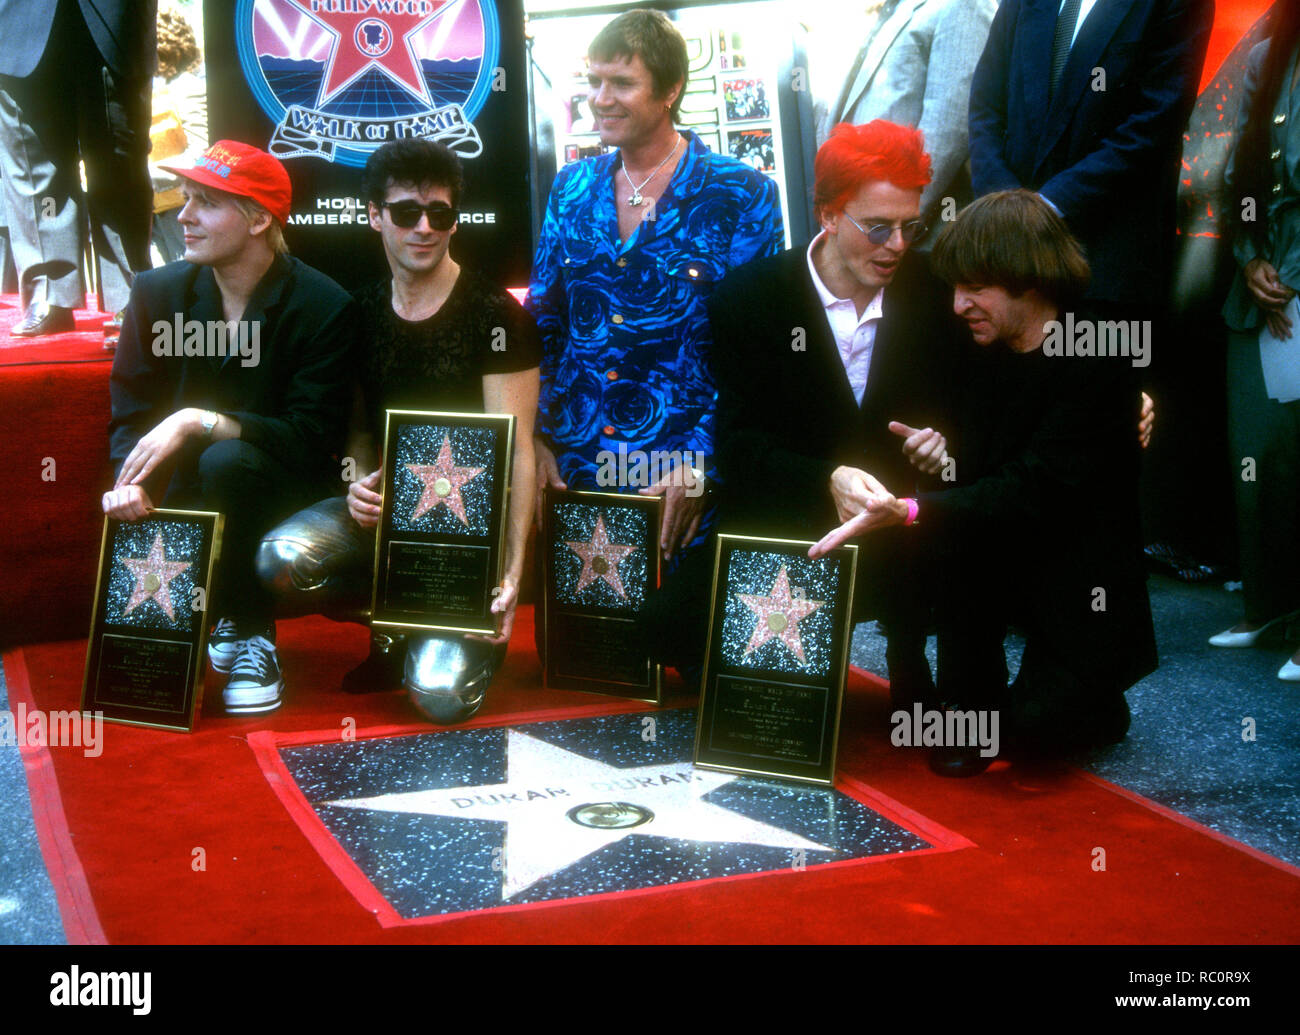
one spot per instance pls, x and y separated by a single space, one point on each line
224 644
256 684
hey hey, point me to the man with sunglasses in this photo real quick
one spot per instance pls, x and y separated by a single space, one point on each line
833 362
436 336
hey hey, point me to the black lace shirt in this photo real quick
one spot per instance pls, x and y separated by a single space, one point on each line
439 363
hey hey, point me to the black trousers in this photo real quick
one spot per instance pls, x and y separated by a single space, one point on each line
674 624
1057 703
255 492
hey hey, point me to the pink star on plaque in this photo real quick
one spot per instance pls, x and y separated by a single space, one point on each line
778 616
600 559
152 574
442 483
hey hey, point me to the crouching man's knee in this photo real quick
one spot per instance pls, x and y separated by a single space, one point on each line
317 562
447 676
230 468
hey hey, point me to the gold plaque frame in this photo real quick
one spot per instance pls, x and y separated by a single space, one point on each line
707 757
389 618
653 506
189 696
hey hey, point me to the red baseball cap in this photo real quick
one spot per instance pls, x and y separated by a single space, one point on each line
242 169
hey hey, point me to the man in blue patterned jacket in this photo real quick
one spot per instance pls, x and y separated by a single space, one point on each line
632 245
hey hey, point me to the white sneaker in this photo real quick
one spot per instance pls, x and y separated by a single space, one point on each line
224 644
256 684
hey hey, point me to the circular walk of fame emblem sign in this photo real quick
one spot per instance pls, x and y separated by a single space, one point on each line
610 815
341 77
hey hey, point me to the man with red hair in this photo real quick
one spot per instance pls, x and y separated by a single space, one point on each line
832 361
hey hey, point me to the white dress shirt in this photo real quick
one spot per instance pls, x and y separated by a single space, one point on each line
855 336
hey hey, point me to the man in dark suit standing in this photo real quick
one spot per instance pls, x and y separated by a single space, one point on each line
1085 102
832 361
75 83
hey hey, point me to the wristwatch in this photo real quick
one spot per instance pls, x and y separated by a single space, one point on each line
209 422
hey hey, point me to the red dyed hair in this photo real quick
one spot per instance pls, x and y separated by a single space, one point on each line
854 155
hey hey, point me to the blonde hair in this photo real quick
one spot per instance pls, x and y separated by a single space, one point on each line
274 233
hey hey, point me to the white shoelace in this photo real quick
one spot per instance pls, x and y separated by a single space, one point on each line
256 658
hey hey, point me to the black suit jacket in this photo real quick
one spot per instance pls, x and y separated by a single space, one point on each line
293 403
1106 148
787 416
123 30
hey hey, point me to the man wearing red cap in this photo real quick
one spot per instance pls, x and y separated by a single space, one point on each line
230 391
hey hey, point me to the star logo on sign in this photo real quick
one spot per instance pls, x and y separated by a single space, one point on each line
442 483
600 559
553 820
778 615
373 35
152 574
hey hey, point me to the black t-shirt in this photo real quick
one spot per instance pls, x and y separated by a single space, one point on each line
439 363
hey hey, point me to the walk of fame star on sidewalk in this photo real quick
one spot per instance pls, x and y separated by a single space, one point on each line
540 842
426 826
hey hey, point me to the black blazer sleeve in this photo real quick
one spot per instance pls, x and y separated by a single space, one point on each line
141 385
316 400
757 445
1085 436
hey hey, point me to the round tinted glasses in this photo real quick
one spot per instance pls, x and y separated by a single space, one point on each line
878 233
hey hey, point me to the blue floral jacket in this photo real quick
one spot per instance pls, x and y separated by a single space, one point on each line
626 347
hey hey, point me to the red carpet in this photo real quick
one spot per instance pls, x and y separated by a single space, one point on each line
181 838
54 421
84 343
54 412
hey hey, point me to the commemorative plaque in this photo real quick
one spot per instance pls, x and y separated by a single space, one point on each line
440 545
601 560
779 631
146 660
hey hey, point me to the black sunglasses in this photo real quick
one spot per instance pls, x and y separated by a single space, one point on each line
406 214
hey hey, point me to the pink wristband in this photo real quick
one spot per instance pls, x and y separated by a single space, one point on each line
912 510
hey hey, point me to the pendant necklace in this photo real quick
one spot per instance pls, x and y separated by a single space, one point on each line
636 198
